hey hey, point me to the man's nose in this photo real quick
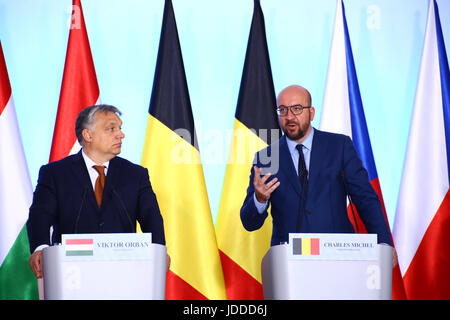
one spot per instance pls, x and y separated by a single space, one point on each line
289 114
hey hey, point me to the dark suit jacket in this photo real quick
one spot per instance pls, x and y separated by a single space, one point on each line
326 204
64 198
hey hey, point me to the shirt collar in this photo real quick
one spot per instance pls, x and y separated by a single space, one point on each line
307 143
90 163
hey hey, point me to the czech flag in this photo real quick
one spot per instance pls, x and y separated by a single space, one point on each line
343 113
422 220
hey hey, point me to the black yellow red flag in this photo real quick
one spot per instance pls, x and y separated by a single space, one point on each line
256 124
172 157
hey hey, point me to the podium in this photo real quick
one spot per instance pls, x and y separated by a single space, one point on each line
105 266
328 266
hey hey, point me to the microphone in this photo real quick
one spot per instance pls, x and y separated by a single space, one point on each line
83 198
341 173
124 209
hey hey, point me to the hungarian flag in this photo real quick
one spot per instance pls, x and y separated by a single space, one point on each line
343 113
422 220
255 126
172 157
17 281
79 87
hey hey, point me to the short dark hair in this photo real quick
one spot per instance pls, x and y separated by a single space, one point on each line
85 118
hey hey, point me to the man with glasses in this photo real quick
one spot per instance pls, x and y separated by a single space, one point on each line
316 172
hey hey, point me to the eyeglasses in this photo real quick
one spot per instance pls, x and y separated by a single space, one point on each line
297 109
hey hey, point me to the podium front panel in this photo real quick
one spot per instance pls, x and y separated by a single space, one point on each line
104 279
290 279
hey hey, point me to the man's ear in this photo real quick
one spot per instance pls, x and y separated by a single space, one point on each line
312 114
86 135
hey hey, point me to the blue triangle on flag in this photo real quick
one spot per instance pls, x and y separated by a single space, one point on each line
360 133
445 81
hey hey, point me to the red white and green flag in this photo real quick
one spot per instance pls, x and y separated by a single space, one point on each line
79 247
16 278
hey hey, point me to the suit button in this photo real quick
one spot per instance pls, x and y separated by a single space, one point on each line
308 211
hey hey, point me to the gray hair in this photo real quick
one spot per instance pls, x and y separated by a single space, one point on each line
85 119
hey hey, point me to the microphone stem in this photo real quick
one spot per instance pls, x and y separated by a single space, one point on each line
350 200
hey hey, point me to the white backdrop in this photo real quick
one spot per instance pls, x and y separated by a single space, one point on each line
387 38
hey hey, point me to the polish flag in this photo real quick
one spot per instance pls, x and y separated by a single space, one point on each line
79 87
343 113
422 220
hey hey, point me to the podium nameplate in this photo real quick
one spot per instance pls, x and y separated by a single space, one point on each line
105 266
333 246
106 246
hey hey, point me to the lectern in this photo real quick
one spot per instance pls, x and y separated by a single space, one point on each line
105 266
328 266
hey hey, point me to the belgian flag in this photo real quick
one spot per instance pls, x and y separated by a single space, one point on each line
172 157
256 124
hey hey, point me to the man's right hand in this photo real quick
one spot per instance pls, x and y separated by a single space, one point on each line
36 265
263 190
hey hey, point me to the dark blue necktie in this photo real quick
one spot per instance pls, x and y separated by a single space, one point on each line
303 178
302 172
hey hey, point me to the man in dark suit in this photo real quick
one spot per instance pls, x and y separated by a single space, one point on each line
308 192
93 191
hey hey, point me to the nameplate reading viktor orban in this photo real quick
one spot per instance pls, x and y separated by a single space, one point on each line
107 246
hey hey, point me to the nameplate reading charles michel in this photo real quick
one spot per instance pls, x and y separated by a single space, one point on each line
333 246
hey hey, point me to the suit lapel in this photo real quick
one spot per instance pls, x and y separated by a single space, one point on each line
316 162
287 166
112 176
317 156
80 171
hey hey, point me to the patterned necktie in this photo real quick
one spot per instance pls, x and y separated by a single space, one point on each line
303 177
99 184
302 172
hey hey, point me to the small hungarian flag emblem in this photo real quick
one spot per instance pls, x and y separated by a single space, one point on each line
79 247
